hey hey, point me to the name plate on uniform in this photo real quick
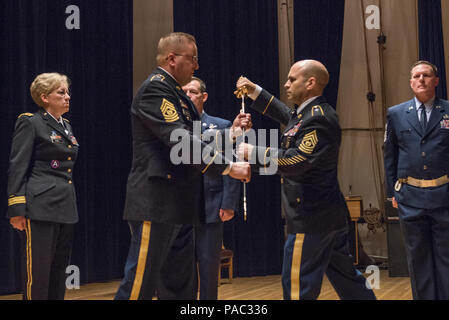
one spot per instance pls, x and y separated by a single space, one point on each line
355 206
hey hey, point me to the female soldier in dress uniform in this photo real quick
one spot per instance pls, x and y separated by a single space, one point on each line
41 195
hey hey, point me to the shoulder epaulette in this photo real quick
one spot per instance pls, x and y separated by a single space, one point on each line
158 77
25 114
317 110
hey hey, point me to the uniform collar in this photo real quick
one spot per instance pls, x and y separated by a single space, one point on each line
428 104
61 121
305 104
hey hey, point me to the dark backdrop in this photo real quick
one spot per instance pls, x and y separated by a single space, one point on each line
318 29
240 38
431 43
98 60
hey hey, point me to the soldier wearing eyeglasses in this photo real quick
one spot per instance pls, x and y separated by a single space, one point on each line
41 193
162 199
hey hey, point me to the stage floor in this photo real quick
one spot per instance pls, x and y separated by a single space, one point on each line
251 288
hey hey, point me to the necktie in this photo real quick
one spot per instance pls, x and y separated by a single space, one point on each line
63 126
423 119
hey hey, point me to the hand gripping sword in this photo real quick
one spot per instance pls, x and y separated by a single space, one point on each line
242 93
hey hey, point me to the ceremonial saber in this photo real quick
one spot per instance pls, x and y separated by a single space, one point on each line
244 182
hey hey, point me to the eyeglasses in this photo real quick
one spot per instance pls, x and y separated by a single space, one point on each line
61 93
194 58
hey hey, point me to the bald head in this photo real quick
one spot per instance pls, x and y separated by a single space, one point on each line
306 79
313 68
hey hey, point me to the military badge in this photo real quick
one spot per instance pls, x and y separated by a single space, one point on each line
55 138
74 141
212 126
183 104
292 132
169 111
446 116
187 114
185 110
55 164
309 142
444 124
288 142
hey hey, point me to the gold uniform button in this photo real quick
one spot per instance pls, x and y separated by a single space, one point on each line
70 170
168 176
69 158
70 181
423 154
70 147
298 200
282 180
425 168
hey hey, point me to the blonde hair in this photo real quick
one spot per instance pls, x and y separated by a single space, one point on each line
172 42
45 83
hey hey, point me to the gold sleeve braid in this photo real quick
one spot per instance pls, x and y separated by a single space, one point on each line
290 161
16 200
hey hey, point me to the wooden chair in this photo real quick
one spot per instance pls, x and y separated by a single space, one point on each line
226 256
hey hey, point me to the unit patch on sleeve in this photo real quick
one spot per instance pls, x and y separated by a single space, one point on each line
169 111
309 142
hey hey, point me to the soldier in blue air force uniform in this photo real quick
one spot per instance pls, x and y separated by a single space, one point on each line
221 198
416 153
307 159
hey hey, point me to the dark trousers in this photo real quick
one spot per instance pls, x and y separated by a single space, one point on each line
208 242
307 257
159 251
426 238
46 249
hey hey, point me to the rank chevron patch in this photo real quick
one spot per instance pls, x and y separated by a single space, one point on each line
309 142
169 111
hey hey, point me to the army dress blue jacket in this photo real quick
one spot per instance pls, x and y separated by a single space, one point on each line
40 174
307 161
158 189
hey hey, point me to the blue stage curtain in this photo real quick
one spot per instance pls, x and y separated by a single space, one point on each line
431 43
98 60
318 29
241 38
